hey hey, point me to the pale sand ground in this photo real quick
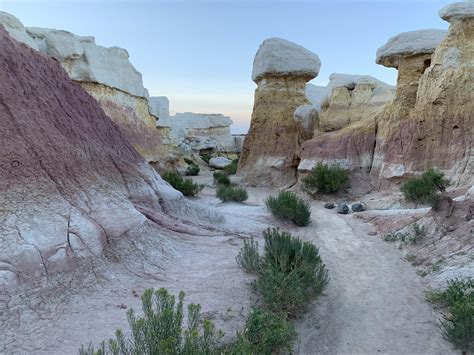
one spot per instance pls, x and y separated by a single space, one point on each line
374 302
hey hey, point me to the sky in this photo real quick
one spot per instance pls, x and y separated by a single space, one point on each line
199 53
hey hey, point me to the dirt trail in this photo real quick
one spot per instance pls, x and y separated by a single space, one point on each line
374 302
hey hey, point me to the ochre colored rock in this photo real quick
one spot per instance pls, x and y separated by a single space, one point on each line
70 181
270 153
431 122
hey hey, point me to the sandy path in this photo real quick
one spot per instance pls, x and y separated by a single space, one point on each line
374 302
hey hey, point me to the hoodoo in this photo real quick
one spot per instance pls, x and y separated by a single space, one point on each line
270 153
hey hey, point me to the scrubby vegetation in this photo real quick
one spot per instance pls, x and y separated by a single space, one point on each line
221 178
289 206
248 257
426 189
326 179
264 333
206 157
419 233
458 323
186 186
193 169
290 274
231 193
232 168
161 330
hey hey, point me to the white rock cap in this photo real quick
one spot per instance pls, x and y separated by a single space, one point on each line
84 60
16 29
407 44
279 57
457 11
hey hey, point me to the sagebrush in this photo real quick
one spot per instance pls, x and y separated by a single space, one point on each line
221 178
292 273
426 189
248 257
161 330
326 179
231 193
232 168
287 205
185 185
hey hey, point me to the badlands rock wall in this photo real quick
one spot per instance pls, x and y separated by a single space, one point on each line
70 180
108 75
435 125
271 148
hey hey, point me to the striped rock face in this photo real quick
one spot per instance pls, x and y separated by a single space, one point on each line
70 182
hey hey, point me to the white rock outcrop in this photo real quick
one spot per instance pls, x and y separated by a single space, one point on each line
407 44
84 60
457 11
279 57
306 116
16 29
160 107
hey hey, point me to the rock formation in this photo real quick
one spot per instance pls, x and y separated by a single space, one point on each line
315 94
108 75
271 149
71 183
16 29
430 121
351 98
346 131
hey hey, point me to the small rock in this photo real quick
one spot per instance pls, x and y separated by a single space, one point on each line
342 208
219 162
329 205
372 233
358 207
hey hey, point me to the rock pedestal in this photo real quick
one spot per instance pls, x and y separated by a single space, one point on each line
270 153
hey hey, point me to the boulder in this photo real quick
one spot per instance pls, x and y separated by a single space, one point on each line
279 57
306 117
342 208
358 207
71 182
219 162
316 94
271 148
329 205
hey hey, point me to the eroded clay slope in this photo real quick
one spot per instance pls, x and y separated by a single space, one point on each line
69 180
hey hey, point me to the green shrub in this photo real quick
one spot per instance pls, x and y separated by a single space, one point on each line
264 333
326 179
161 331
458 324
292 273
221 178
426 189
248 257
192 170
232 168
231 193
206 157
289 206
186 186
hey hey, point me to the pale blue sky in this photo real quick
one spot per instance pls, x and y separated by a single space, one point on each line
200 53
